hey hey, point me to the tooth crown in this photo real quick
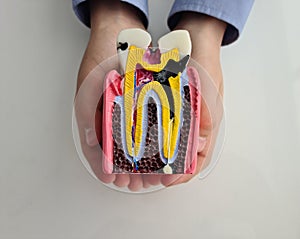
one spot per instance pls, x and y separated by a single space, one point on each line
176 39
166 85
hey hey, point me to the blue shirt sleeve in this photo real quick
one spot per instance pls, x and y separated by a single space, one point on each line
82 11
233 12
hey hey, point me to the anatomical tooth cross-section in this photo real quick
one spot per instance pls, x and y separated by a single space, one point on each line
151 108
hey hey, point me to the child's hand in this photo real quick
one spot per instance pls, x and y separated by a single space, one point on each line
206 35
108 18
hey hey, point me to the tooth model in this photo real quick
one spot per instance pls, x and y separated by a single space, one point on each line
151 110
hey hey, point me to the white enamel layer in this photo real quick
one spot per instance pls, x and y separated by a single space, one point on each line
179 39
133 37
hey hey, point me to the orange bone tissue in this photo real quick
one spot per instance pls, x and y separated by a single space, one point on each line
151 109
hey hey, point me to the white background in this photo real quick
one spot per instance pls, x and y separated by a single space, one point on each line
45 192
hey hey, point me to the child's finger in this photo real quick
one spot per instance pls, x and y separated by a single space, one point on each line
122 180
146 184
87 107
88 114
136 182
168 180
153 180
209 127
92 156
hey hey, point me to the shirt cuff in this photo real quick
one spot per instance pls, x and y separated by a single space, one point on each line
82 11
233 12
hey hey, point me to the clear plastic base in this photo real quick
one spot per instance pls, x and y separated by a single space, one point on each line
87 132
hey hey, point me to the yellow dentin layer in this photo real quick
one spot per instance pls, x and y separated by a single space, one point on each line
135 56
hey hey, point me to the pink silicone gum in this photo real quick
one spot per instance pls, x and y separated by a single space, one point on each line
195 92
112 86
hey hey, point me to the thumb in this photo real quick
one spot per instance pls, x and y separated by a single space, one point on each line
88 108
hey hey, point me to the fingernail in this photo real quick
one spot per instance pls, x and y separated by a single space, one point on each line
201 143
91 137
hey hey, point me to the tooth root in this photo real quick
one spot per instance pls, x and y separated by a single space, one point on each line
179 39
131 37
